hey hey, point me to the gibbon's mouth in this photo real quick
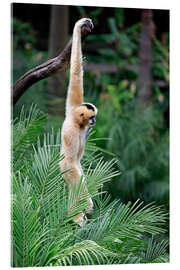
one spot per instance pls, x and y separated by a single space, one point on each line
92 122
92 125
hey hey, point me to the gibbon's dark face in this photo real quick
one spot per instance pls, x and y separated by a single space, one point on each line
86 114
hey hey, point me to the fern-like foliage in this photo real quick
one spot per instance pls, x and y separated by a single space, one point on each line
43 233
141 145
28 232
84 253
25 131
156 251
124 220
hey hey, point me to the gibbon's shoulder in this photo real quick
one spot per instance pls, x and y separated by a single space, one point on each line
69 128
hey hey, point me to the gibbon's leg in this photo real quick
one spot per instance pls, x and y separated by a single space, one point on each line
70 164
80 168
75 89
90 207
89 200
75 174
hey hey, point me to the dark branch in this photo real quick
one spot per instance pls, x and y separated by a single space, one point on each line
145 57
45 70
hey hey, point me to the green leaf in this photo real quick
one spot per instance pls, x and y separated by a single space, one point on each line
28 235
26 130
156 251
84 253
123 220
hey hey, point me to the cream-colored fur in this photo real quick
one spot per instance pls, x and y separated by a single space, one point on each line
79 116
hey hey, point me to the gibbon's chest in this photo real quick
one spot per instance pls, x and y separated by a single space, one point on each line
82 139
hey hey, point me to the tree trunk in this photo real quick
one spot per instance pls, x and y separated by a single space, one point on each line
58 37
145 58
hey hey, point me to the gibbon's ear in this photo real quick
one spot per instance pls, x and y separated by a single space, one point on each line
92 110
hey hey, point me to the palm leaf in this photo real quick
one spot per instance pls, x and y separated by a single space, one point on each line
28 234
26 130
103 172
120 220
44 172
84 253
156 251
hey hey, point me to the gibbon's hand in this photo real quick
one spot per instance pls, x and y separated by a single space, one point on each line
85 24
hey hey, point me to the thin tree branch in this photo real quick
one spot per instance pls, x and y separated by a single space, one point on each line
46 69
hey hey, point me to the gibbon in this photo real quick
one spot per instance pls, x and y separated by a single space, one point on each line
79 117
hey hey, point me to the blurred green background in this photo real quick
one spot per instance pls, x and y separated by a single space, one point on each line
126 76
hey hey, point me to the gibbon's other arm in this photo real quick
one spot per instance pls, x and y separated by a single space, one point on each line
75 90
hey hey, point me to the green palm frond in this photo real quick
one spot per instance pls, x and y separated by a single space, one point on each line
122 220
92 147
156 251
44 171
84 253
77 200
126 245
26 130
60 237
103 172
130 260
94 153
28 235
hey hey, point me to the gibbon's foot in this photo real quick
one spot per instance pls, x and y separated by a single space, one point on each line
86 24
80 220
90 208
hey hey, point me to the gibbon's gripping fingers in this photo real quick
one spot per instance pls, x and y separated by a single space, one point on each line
88 26
85 23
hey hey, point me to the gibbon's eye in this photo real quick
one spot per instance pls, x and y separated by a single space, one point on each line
81 114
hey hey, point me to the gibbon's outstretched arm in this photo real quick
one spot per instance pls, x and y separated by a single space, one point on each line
75 89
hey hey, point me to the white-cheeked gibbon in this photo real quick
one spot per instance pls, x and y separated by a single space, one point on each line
79 118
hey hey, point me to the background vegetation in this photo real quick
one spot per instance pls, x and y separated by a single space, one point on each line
131 137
